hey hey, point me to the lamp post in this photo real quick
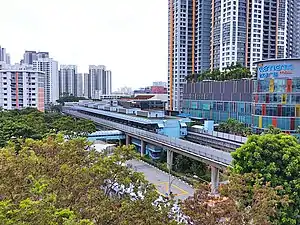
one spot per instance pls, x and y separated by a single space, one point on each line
170 181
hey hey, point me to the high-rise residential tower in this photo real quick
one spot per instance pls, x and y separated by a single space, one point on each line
79 85
68 80
50 68
271 30
4 56
246 31
228 33
97 82
31 56
86 85
189 44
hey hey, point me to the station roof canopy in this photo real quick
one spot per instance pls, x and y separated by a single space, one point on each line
118 115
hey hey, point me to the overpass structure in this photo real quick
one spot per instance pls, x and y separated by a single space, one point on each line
217 159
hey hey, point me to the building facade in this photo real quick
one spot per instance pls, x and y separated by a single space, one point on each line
228 34
79 85
68 80
21 87
219 100
160 84
97 82
272 99
50 68
4 56
30 56
247 31
189 44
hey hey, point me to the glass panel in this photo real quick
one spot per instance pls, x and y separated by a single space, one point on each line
280 85
296 85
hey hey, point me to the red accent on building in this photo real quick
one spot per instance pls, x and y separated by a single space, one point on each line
264 109
292 123
274 122
279 110
267 98
289 85
256 98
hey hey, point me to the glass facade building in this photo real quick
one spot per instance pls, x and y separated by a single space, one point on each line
218 101
276 102
272 99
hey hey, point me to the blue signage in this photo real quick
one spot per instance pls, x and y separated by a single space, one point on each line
275 70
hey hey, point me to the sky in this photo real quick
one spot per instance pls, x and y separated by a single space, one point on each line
129 37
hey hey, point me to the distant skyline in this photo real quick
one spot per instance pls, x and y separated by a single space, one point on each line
129 37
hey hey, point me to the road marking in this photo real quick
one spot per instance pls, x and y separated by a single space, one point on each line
166 187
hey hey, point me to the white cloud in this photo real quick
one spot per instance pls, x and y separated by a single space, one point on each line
129 37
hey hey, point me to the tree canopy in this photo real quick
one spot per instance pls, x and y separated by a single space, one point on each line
234 71
69 98
54 181
31 123
276 159
238 204
233 126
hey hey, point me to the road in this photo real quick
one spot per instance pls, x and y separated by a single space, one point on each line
160 179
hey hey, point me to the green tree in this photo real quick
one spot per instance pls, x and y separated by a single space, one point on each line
73 127
53 181
237 204
275 157
69 98
273 130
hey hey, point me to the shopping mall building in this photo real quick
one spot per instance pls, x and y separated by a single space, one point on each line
273 98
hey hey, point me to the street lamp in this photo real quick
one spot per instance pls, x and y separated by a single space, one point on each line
170 181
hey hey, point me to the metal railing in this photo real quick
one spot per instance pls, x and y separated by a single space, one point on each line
210 154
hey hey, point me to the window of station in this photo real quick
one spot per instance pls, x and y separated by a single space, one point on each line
279 85
295 98
263 86
296 85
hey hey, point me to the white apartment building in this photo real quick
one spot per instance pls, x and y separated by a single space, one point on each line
247 31
79 85
68 80
21 87
50 68
97 82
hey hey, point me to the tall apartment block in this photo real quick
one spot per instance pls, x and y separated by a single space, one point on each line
247 31
30 56
21 87
86 85
272 30
79 85
228 33
4 56
68 80
189 44
50 68
97 82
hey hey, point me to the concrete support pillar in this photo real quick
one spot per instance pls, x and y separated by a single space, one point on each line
128 139
215 180
169 159
143 148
